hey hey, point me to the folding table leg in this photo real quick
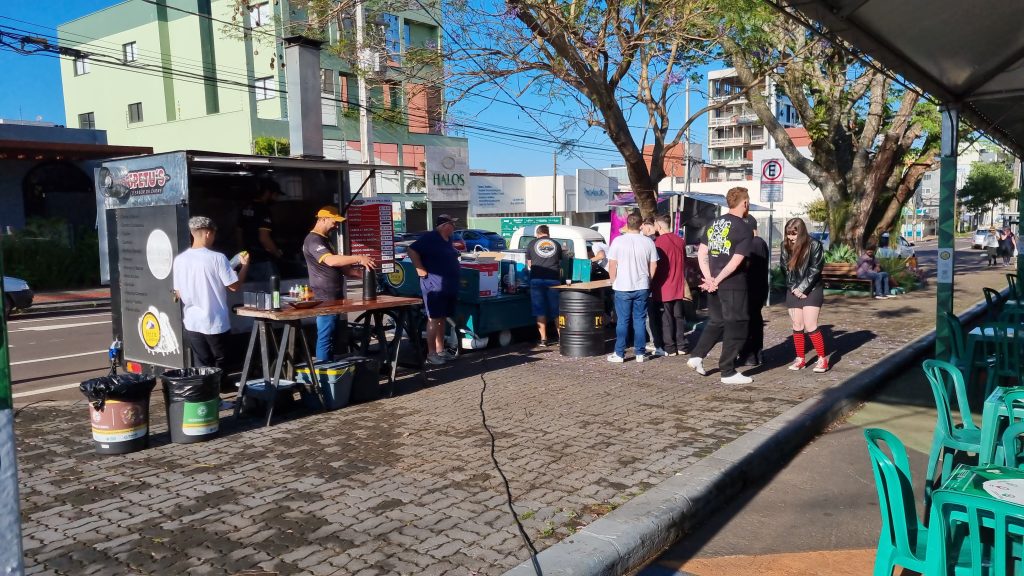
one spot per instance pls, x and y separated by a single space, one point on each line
246 367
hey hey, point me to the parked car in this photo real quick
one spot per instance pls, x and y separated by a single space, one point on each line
822 237
404 240
978 240
17 294
479 240
904 249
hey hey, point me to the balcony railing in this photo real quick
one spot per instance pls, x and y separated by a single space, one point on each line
734 141
734 120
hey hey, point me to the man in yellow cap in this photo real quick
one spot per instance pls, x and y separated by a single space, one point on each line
326 273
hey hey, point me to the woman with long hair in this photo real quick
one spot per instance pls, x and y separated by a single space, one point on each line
802 259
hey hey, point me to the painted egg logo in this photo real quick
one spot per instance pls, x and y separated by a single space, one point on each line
396 278
150 328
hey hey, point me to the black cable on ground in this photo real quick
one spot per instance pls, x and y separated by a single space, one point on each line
19 410
508 489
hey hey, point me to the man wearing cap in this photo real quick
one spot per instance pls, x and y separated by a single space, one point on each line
255 228
326 274
437 264
201 280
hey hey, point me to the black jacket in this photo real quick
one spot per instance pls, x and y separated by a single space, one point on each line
806 276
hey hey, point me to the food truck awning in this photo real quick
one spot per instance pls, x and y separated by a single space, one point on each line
242 161
719 200
971 53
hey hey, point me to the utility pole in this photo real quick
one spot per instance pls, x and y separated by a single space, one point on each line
369 60
554 184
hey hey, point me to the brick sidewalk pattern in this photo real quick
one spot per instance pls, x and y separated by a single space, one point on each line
406 486
71 296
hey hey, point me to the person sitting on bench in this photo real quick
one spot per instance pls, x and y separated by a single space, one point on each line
867 267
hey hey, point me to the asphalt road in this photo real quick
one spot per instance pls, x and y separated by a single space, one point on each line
51 355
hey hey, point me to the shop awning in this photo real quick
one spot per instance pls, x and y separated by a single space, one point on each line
966 53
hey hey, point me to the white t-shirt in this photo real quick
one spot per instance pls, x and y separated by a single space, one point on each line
600 247
200 277
633 254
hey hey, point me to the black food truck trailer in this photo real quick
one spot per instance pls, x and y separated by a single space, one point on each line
148 201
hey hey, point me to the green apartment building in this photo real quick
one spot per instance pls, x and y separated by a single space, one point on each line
182 74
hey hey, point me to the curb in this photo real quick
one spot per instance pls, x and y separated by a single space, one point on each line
625 539
61 306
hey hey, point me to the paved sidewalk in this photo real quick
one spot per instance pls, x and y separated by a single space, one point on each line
405 486
64 296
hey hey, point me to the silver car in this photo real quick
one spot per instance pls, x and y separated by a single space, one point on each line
978 240
17 294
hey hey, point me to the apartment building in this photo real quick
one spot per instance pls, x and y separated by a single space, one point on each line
183 74
734 130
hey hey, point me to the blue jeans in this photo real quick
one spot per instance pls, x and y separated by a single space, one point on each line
544 300
631 307
325 327
881 281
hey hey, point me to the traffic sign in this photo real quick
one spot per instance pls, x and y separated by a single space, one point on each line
771 180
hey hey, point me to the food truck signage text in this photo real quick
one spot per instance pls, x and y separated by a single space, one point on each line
145 182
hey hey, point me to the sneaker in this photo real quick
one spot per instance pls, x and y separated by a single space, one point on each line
880 297
650 347
642 357
890 295
737 378
697 364
821 365
448 356
543 343
659 352
798 364
435 359
615 358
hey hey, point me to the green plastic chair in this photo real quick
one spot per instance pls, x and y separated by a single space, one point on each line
1013 401
1011 280
950 436
1011 445
1005 347
903 540
1013 315
960 536
994 301
958 355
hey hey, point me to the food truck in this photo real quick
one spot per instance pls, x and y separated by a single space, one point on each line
148 200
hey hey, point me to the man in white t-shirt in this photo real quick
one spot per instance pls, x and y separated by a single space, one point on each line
202 278
632 260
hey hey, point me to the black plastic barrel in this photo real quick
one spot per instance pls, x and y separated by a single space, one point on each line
119 411
581 323
192 402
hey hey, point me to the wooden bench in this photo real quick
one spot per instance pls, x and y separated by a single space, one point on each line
844 275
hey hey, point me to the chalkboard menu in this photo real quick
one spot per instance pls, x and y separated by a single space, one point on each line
372 231
147 240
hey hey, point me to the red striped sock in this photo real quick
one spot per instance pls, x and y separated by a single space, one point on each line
799 344
819 343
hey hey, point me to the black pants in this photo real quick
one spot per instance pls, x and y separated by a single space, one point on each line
208 349
728 320
670 336
755 333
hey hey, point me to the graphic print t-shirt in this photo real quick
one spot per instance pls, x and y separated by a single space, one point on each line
545 256
327 282
727 236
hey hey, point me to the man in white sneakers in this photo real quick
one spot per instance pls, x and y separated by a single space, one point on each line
632 261
722 250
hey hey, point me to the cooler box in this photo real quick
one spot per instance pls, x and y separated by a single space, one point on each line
478 280
335 380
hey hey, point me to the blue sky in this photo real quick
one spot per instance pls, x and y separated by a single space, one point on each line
33 91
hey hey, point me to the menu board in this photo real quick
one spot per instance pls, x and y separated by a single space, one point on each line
371 231
147 241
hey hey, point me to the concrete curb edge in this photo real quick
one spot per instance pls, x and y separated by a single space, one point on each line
623 540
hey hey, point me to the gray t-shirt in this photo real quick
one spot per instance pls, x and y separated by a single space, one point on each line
633 254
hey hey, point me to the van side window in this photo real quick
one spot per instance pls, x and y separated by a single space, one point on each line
524 241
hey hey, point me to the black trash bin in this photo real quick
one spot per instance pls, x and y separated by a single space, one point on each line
192 398
119 411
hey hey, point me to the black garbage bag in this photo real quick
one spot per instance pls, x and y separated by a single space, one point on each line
118 387
191 384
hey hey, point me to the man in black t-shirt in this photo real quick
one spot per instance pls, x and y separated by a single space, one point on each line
326 274
757 296
256 227
722 251
544 261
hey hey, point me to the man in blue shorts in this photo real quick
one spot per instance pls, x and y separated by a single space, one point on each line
544 261
437 264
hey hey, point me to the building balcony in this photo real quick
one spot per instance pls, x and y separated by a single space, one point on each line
731 97
728 142
734 120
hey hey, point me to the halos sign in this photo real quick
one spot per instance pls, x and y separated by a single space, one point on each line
447 173
593 191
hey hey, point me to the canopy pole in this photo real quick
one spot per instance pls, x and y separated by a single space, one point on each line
946 254
10 516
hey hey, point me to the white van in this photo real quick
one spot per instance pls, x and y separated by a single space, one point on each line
574 239
604 229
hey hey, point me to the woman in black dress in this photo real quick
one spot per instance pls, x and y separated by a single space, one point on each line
802 259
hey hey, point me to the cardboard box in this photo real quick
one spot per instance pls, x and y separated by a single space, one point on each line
480 279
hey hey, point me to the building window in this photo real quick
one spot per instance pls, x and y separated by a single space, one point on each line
135 113
265 88
87 120
81 65
130 54
327 81
260 14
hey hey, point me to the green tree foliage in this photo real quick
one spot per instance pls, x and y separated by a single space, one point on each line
871 139
817 210
270 146
988 184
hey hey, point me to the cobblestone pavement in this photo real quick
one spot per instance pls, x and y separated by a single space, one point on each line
406 486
